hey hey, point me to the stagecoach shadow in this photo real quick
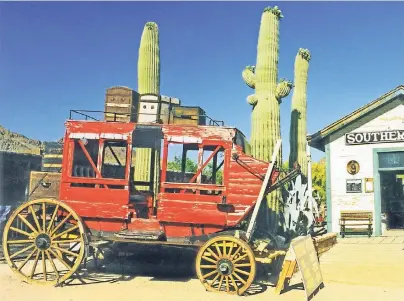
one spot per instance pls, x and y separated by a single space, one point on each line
126 263
158 263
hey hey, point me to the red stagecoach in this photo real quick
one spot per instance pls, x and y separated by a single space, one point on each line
100 199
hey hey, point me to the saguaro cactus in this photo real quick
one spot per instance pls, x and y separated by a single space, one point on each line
148 68
263 77
298 125
148 74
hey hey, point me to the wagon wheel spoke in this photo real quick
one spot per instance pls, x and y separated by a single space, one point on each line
208 266
65 232
236 269
34 265
21 231
52 218
26 259
241 272
44 216
212 253
53 251
218 250
67 241
62 223
209 259
66 251
21 251
19 241
33 213
224 248
234 283
27 223
44 265
52 264
239 278
236 253
209 274
220 282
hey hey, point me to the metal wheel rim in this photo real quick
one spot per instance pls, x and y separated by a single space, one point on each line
55 244
226 264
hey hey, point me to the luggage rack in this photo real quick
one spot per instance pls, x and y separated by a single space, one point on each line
86 115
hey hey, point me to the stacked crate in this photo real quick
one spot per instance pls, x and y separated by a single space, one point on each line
188 115
156 108
121 104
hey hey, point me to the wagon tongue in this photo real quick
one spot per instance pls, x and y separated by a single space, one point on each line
140 235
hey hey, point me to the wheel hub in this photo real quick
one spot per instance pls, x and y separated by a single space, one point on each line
225 267
43 241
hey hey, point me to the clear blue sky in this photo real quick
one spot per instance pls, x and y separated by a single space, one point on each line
60 56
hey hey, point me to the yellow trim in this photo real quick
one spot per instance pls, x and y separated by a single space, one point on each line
52 165
52 156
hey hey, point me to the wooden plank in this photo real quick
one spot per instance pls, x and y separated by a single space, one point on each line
388 240
378 240
398 239
260 198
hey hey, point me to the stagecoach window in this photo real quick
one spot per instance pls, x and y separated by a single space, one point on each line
213 171
81 165
114 159
184 162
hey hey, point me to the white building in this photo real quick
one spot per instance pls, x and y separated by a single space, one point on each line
365 162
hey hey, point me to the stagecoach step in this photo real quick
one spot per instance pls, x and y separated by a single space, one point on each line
141 235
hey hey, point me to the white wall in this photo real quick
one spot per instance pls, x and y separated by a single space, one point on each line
341 154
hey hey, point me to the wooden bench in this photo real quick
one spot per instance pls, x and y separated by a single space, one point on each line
356 222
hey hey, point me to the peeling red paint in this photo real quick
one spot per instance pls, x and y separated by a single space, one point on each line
193 211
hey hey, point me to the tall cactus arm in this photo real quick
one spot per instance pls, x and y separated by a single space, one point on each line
283 89
249 76
252 99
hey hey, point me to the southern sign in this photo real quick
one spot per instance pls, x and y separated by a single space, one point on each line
374 137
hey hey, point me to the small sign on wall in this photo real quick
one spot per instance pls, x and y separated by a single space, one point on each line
354 185
369 185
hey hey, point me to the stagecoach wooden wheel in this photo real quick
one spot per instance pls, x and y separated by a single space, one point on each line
226 264
44 241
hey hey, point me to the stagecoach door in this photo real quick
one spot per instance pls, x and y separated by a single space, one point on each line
193 181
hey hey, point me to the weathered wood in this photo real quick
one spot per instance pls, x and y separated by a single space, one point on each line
44 185
121 104
188 115
356 221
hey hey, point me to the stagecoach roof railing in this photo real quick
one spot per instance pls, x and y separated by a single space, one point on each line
86 115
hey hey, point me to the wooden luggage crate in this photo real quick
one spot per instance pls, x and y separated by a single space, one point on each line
44 185
188 115
121 104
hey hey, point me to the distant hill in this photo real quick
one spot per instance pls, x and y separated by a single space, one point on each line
17 143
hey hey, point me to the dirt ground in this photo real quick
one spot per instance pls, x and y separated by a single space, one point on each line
351 271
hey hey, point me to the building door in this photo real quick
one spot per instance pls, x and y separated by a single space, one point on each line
392 199
389 190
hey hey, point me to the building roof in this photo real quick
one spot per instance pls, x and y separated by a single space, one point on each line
317 140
